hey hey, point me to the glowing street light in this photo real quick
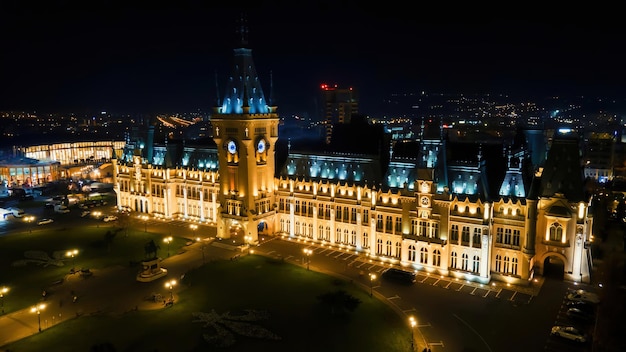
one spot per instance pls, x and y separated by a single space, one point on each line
145 222
37 309
3 291
308 253
248 240
72 253
372 278
168 240
170 286
413 324
29 219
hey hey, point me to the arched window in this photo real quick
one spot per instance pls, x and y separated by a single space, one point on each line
297 230
283 228
498 263
353 238
464 260
320 232
379 246
327 237
366 240
556 232
388 248
436 257
514 266
398 251
507 263
423 256
338 236
476 264
453 259
412 253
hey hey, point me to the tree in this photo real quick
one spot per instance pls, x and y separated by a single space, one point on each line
339 301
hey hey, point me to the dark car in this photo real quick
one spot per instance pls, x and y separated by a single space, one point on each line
580 315
399 275
582 305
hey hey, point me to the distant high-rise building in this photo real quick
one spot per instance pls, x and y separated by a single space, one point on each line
338 104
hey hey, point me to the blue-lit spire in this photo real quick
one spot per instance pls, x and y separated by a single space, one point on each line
244 94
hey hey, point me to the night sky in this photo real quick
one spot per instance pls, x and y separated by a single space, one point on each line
166 59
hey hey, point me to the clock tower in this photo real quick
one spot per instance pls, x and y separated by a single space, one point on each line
245 129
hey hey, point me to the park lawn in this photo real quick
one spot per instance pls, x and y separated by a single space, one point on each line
286 292
32 261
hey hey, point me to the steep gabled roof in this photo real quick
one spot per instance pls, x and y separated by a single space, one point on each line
563 171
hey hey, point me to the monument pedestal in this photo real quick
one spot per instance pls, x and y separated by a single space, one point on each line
151 270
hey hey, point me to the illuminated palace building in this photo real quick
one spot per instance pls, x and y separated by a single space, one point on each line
414 204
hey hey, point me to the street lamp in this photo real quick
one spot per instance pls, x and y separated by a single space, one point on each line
145 223
170 285
248 240
201 247
372 278
308 253
96 214
72 253
413 324
168 240
29 219
3 291
37 309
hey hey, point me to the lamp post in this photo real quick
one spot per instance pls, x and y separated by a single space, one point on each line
29 219
72 253
3 291
96 215
413 324
170 285
308 253
201 247
248 240
168 240
145 223
37 309
372 278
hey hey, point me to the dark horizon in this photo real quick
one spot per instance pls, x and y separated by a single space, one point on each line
167 59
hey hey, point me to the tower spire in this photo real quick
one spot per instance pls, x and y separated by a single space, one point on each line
243 31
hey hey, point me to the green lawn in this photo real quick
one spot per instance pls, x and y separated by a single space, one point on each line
286 293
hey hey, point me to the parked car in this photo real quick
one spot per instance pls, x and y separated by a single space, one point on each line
399 275
85 213
580 315
45 221
582 305
585 296
569 332
110 218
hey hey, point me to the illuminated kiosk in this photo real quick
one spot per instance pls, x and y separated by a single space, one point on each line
151 270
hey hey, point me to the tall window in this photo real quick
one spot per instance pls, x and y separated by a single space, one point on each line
338 236
499 234
366 217
514 266
398 251
297 229
353 216
423 231
388 224
476 264
353 238
498 263
379 246
379 222
423 256
398 226
338 214
388 248
297 207
464 260
465 234
476 238
454 233
507 236
327 237
516 237
453 259
436 257
556 232
366 240
507 262
320 232
412 253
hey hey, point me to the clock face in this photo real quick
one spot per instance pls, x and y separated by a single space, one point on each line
261 146
232 148
425 201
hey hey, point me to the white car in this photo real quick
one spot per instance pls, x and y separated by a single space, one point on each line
110 218
85 213
569 332
45 221
582 295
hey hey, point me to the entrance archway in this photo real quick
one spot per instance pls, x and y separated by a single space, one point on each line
553 267
236 231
